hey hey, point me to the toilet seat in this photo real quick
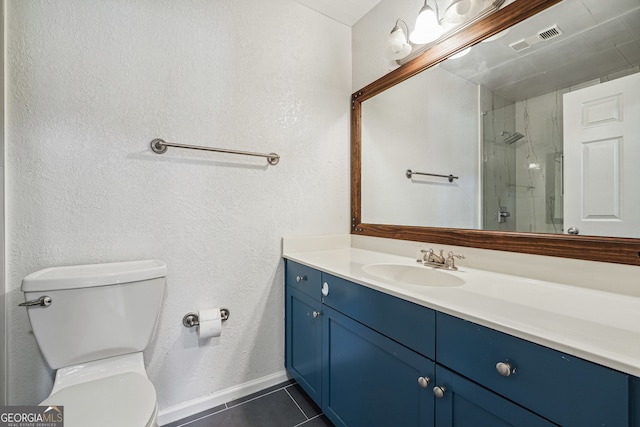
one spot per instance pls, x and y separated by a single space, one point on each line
123 400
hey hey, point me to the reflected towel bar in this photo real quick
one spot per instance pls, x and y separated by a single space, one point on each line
449 177
160 146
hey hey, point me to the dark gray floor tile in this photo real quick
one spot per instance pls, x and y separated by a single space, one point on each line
319 421
303 400
272 410
196 416
260 393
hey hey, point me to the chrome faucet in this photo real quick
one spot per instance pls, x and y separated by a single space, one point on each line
430 259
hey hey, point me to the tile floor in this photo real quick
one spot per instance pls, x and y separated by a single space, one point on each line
283 405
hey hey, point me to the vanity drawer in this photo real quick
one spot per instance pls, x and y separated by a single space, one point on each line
303 278
564 389
405 322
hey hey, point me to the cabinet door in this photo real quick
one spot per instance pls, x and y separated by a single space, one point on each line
370 380
466 404
303 356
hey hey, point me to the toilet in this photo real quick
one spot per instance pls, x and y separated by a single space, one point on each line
92 323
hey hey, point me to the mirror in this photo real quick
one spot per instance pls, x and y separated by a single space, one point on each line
491 123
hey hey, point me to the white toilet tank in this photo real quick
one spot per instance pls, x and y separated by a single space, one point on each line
96 311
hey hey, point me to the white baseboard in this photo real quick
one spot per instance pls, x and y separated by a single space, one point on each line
186 409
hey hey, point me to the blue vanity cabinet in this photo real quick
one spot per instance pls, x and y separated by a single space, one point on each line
564 389
371 359
466 404
371 380
303 328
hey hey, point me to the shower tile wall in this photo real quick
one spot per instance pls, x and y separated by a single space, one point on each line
538 164
498 162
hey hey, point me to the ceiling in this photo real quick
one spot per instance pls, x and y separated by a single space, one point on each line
346 11
599 39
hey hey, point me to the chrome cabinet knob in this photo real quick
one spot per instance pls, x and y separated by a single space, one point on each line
315 314
504 368
573 230
301 278
424 382
439 392
325 289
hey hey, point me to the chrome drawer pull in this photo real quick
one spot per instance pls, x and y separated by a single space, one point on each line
301 278
44 301
424 382
505 369
316 314
439 392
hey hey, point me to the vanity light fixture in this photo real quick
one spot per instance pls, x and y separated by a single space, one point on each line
398 46
469 11
428 26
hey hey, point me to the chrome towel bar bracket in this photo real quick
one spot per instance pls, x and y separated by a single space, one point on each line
160 146
191 319
410 173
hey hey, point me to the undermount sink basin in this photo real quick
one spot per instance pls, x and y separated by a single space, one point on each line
413 275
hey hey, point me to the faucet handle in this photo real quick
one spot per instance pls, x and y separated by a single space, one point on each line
451 262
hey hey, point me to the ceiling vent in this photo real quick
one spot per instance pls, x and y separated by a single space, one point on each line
550 33
544 35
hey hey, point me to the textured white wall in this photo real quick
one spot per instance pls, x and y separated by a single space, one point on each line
91 82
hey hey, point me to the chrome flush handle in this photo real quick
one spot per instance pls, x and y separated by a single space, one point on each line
44 301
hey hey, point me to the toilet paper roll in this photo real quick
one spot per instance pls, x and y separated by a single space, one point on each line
210 323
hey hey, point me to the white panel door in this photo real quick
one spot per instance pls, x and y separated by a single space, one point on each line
602 158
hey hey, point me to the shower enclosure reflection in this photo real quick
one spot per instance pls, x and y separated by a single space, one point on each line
522 159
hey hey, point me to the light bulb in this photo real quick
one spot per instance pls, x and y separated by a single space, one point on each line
397 46
427 28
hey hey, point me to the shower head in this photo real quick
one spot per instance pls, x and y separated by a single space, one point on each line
511 137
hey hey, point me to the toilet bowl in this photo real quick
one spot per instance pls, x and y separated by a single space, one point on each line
104 393
91 323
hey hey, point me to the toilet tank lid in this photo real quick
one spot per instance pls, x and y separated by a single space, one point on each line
86 276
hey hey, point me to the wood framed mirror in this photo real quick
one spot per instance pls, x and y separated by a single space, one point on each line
622 250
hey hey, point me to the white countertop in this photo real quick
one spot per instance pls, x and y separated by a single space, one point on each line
596 325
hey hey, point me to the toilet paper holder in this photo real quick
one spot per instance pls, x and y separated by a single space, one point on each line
191 319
